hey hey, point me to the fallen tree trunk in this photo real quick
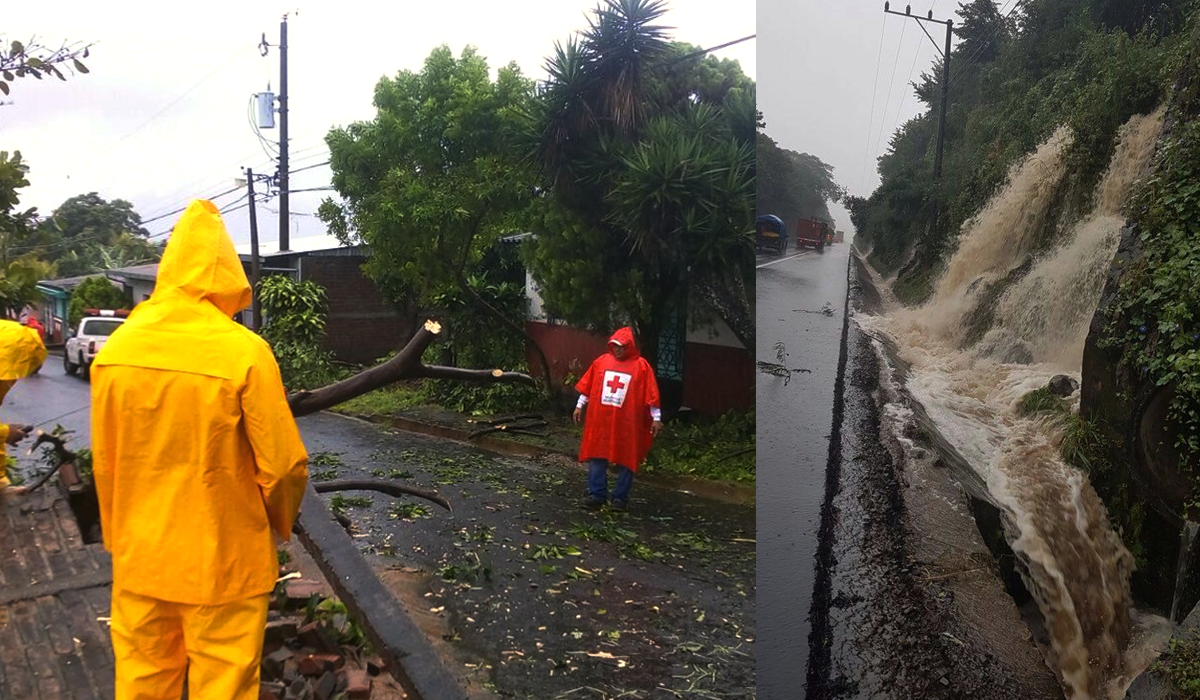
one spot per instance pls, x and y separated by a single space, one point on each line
405 365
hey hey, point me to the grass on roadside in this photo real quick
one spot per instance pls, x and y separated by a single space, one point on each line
720 449
384 402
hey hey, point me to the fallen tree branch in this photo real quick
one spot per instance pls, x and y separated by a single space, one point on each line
506 427
512 419
382 486
62 455
471 375
405 365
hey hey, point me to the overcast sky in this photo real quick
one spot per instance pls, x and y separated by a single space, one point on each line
162 117
819 92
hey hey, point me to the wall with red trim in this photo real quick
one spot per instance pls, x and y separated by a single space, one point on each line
716 378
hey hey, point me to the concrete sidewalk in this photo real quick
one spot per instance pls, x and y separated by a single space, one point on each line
54 603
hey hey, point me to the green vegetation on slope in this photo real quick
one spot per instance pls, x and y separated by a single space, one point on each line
1089 64
1157 315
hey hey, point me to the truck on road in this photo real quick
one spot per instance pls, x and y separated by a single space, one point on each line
770 234
84 342
812 233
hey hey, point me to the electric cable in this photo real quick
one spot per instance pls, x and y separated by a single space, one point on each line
874 91
891 84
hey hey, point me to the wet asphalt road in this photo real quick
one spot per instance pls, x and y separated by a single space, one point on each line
659 601
46 399
800 312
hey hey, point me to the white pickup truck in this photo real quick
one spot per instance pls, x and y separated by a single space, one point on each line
85 341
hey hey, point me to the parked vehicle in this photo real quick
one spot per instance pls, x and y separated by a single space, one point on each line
812 233
770 234
84 342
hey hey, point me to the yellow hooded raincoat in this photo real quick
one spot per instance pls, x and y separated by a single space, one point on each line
21 352
196 459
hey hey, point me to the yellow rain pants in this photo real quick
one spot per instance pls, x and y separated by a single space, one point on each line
156 642
198 466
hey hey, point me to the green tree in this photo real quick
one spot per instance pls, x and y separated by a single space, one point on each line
647 157
88 234
294 325
18 284
793 185
436 178
96 293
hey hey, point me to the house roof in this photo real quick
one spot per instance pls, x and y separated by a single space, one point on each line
67 283
304 244
147 273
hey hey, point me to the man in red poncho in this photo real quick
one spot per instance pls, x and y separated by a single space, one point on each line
624 417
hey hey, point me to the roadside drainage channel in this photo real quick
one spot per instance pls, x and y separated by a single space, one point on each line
739 494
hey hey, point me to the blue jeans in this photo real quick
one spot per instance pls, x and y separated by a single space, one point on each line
598 481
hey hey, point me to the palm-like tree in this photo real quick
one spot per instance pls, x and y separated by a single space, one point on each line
596 81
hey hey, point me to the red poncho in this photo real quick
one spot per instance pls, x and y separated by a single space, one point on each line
620 394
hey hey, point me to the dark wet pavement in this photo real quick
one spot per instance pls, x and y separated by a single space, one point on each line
527 594
800 311
46 399
536 596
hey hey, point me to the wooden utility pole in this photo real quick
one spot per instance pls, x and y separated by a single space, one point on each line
941 137
255 272
284 211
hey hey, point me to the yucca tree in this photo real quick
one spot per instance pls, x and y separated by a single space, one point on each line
686 199
596 83
648 147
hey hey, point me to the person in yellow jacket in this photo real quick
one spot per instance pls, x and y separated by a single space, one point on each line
196 460
21 352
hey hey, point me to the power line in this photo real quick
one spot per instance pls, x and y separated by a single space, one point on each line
701 52
159 113
972 59
908 80
184 207
230 191
874 92
891 83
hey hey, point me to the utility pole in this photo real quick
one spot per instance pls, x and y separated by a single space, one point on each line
941 137
285 214
284 211
255 272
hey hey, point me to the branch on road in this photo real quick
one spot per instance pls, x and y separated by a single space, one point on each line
405 365
382 486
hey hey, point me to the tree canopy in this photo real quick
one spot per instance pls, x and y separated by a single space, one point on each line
793 185
648 164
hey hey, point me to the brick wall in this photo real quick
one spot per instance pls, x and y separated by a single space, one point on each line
716 378
361 326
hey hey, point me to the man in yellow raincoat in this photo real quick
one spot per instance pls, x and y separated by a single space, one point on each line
196 459
21 352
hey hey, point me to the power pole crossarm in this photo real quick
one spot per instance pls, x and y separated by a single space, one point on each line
949 23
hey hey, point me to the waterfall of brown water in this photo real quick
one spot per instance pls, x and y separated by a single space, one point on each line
1075 566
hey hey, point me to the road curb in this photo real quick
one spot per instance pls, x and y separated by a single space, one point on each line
714 490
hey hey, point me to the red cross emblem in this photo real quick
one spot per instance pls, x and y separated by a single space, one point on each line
616 385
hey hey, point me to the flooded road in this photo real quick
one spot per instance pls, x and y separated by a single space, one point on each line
800 313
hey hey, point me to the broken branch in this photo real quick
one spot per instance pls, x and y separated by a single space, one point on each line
405 365
380 485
